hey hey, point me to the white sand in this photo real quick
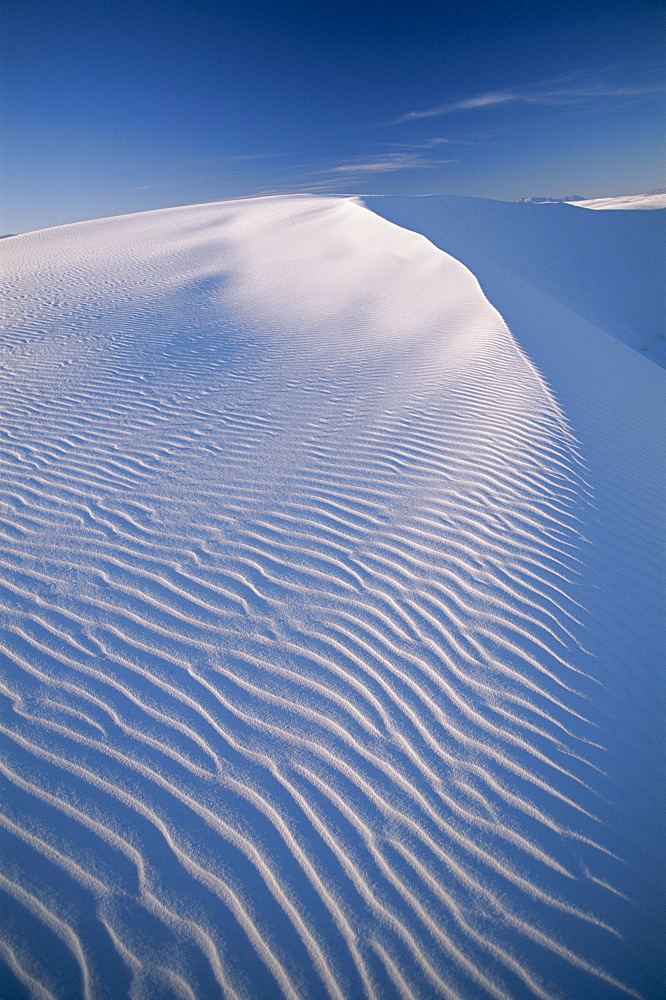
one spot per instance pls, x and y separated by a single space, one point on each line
642 201
605 267
330 619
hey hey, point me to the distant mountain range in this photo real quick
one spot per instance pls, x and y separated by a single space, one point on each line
573 197
556 201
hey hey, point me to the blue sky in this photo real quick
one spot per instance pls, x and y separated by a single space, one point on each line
113 107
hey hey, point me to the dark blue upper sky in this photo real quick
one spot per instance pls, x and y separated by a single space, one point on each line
112 106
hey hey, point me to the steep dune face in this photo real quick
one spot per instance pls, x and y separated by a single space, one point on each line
605 267
307 689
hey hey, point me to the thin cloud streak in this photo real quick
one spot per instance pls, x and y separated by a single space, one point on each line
386 166
437 141
551 93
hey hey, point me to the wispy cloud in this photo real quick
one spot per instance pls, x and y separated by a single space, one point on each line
386 166
155 187
346 175
388 163
553 93
437 141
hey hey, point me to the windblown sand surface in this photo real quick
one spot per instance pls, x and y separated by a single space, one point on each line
331 615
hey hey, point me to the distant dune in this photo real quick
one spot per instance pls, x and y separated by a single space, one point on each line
628 201
331 580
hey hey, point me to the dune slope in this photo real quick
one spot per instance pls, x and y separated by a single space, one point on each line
313 680
606 267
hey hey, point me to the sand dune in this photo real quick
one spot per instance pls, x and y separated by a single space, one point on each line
631 201
329 604
603 267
